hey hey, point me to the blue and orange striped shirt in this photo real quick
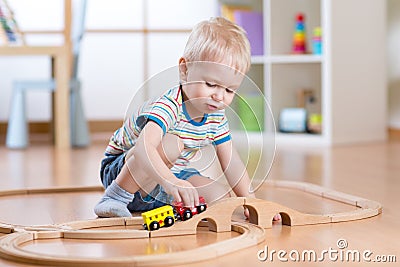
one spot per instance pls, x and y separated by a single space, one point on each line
169 112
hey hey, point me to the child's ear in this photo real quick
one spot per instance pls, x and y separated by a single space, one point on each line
183 69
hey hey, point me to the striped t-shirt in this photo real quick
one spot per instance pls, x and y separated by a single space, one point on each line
169 112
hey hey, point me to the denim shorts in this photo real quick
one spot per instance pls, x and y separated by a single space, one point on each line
111 166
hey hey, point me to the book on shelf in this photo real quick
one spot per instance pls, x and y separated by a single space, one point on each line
251 21
227 11
9 31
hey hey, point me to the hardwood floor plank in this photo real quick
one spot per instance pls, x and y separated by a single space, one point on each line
368 171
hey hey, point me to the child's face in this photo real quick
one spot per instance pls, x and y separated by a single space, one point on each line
210 86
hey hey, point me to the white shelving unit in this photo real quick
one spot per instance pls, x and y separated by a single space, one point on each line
349 71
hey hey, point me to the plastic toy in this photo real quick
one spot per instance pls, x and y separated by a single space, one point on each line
314 124
165 216
299 37
160 217
185 213
293 120
317 41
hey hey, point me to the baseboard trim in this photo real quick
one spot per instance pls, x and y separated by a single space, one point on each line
394 134
109 126
104 126
97 126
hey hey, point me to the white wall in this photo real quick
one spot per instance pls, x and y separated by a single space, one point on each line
394 62
111 64
359 79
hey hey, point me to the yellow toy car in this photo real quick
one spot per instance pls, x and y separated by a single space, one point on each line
157 218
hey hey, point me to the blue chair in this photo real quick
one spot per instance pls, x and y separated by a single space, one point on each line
17 130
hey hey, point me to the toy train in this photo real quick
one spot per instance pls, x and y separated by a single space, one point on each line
166 216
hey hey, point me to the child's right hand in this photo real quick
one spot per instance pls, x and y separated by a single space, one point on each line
182 191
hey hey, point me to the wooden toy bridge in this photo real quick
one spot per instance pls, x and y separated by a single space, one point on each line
217 217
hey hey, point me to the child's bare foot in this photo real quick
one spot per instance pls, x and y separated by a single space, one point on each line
277 217
246 213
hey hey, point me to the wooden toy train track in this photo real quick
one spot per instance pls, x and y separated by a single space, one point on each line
217 218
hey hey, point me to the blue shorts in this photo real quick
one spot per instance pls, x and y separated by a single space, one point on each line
111 166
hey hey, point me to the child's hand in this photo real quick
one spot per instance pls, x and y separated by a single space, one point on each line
183 191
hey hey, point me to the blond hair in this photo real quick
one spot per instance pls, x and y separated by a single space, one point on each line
217 40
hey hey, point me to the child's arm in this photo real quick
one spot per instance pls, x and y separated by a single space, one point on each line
234 169
151 163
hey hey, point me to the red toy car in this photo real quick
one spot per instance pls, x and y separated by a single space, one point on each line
184 213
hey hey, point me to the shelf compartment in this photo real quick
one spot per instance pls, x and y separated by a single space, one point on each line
252 92
287 83
282 23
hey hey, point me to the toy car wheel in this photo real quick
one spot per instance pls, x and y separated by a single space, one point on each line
145 227
201 208
154 226
187 214
168 221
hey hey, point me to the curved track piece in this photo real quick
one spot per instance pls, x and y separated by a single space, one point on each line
10 248
218 219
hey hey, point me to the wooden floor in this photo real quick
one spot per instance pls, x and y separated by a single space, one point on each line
370 171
